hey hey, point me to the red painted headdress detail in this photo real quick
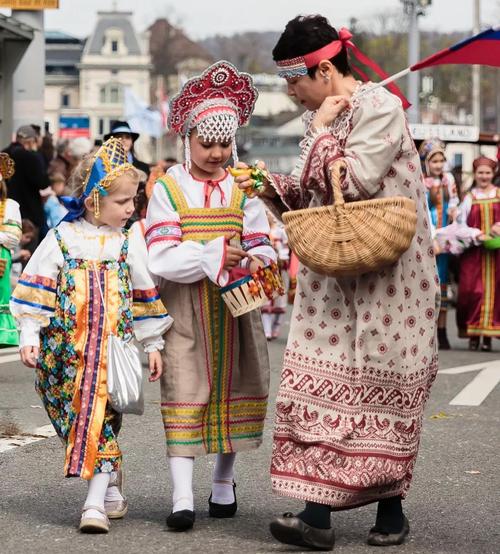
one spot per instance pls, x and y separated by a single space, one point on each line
221 89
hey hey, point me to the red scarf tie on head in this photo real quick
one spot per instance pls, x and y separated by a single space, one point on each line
297 66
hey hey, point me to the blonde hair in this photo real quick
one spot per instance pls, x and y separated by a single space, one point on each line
78 176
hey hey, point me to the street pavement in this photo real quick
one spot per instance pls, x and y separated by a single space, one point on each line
453 505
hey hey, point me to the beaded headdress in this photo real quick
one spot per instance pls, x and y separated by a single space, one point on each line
428 149
108 163
216 103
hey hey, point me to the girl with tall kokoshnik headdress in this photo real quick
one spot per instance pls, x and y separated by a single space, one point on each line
478 306
361 352
10 235
442 199
87 279
202 232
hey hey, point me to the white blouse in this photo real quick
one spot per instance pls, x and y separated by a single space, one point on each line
191 261
86 241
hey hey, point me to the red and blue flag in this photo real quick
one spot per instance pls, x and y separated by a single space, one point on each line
482 49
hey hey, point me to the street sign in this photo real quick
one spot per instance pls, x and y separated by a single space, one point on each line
30 4
74 126
480 387
461 133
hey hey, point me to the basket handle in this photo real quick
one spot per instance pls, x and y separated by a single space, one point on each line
337 170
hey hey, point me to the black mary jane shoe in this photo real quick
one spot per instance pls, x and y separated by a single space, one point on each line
290 529
486 346
378 538
222 510
183 520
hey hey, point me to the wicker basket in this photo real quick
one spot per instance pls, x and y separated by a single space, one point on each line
253 291
351 238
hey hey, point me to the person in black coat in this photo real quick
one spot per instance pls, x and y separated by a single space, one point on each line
30 177
122 130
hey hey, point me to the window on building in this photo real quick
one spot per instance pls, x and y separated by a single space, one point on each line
114 94
114 46
110 94
100 126
65 100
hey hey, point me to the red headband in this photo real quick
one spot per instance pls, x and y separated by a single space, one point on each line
298 66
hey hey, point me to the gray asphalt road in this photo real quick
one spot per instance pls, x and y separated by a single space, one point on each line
453 505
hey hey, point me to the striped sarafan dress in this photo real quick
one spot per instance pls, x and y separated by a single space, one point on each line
216 379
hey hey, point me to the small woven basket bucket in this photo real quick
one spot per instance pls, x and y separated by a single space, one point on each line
351 238
253 291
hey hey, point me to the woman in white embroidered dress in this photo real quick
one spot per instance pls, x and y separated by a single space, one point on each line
361 354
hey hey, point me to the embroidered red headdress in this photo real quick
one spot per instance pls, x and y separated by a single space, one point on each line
296 67
216 103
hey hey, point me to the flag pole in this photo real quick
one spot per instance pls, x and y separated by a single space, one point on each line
387 81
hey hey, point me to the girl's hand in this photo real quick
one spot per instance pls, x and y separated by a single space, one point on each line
254 265
331 107
155 365
495 230
29 355
233 257
482 237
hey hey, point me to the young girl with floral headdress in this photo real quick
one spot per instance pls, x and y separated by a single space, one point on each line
200 228
86 279
442 199
10 235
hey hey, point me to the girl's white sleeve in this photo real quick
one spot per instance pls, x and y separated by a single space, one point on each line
33 301
10 229
174 260
151 318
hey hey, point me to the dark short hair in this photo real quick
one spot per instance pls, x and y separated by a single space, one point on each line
305 34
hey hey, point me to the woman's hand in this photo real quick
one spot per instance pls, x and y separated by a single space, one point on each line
245 183
29 355
331 107
155 365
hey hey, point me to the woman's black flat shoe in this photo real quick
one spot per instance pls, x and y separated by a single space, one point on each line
377 538
290 529
222 510
182 520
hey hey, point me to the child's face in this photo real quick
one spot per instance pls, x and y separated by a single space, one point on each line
118 206
483 176
208 156
436 164
58 187
26 238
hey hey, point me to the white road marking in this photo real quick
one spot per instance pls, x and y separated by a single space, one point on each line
9 358
480 387
40 433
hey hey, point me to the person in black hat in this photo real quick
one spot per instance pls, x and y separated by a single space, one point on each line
122 130
30 177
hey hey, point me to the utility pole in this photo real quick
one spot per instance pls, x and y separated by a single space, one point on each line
476 72
414 9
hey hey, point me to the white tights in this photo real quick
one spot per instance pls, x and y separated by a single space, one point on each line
181 472
95 495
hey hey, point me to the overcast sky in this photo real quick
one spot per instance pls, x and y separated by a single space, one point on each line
202 18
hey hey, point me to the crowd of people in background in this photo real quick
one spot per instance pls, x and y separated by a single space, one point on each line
43 169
